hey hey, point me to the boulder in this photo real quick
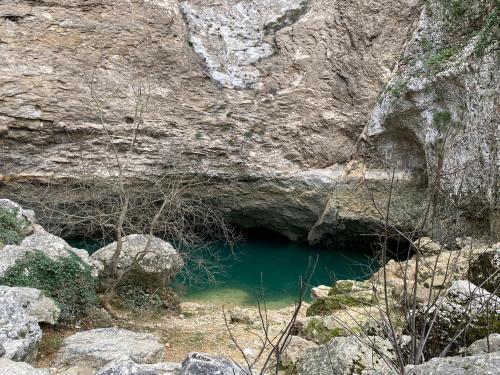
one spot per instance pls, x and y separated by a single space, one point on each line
34 303
488 344
124 365
346 356
485 271
52 246
345 293
427 246
462 304
476 365
239 315
321 329
295 350
9 367
206 364
76 370
97 347
160 257
26 216
19 335
320 291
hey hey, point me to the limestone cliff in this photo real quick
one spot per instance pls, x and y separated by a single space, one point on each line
270 95
443 103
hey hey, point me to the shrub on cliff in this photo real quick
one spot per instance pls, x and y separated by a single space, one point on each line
11 228
68 280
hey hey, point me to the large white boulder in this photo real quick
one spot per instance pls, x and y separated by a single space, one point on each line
346 356
19 334
157 256
97 347
9 367
35 304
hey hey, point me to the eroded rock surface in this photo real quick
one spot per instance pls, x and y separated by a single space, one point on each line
205 364
315 69
95 348
19 334
347 355
35 304
9 367
152 255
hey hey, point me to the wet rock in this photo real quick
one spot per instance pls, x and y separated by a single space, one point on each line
490 344
97 347
35 304
346 356
206 364
9 367
160 257
19 335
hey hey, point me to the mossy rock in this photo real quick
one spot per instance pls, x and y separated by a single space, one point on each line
317 331
345 293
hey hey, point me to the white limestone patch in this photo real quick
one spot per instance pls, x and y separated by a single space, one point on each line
232 37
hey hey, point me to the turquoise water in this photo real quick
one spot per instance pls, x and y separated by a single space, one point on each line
275 266
266 263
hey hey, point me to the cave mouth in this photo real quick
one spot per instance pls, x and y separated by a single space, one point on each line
266 263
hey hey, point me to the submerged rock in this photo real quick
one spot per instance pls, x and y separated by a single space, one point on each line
19 334
97 347
206 364
9 367
346 356
35 304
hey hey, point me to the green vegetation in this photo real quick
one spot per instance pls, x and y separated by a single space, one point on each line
68 280
11 228
436 60
316 331
398 88
135 297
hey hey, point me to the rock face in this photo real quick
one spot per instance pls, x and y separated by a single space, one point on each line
34 303
19 335
159 257
97 347
463 305
205 364
313 70
439 112
347 355
9 367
